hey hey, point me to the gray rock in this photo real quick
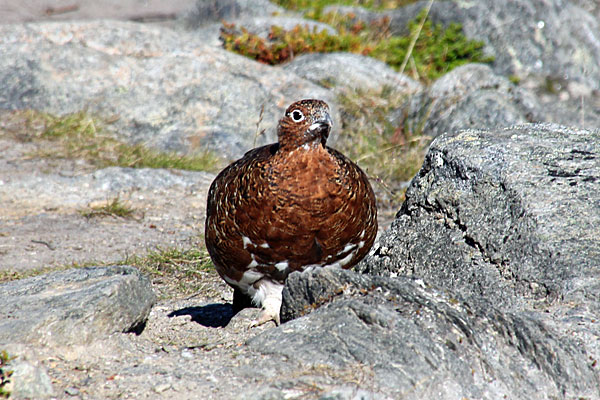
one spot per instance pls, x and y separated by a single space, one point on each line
29 381
86 304
502 214
208 11
590 6
553 38
511 216
352 71
420 340
470 96
167 89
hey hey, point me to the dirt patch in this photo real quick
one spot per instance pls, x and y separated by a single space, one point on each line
53 10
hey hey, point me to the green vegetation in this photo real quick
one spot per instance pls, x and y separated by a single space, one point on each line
82 136
283 45
114 208
436 50
319 5
181 268
5 373
388 153
515 79
11 275
552 85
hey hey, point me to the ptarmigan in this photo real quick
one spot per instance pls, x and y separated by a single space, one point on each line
288 206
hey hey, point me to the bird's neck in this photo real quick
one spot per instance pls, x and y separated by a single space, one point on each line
290 139
290 146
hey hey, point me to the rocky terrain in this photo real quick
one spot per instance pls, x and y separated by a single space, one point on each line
484 286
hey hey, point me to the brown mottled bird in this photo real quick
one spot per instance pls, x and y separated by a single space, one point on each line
287 207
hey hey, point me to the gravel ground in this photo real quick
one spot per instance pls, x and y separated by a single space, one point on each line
41 200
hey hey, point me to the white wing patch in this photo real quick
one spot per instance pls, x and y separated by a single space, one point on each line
281 266
347 248
246 240
343 261
246 284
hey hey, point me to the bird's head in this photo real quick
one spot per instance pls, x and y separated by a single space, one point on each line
305 122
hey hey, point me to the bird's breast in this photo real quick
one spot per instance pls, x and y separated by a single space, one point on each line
308 177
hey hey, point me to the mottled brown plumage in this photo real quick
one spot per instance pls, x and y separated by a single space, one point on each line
288 206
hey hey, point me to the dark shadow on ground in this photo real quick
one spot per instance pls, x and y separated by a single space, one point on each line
211 315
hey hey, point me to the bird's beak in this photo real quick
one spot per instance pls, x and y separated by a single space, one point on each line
324 123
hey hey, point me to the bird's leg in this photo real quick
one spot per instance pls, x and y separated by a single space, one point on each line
269 296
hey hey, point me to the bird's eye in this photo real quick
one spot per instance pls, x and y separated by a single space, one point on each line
297 115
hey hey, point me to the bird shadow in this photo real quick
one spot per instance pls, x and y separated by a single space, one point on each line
211 315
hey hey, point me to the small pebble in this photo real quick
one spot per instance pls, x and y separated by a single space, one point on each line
162 387
187 354
72 391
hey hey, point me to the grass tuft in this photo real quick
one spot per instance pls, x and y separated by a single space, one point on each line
79 135
183 269
11 275
515 79
113 208
5 373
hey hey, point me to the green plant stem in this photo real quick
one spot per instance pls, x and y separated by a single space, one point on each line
411 46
